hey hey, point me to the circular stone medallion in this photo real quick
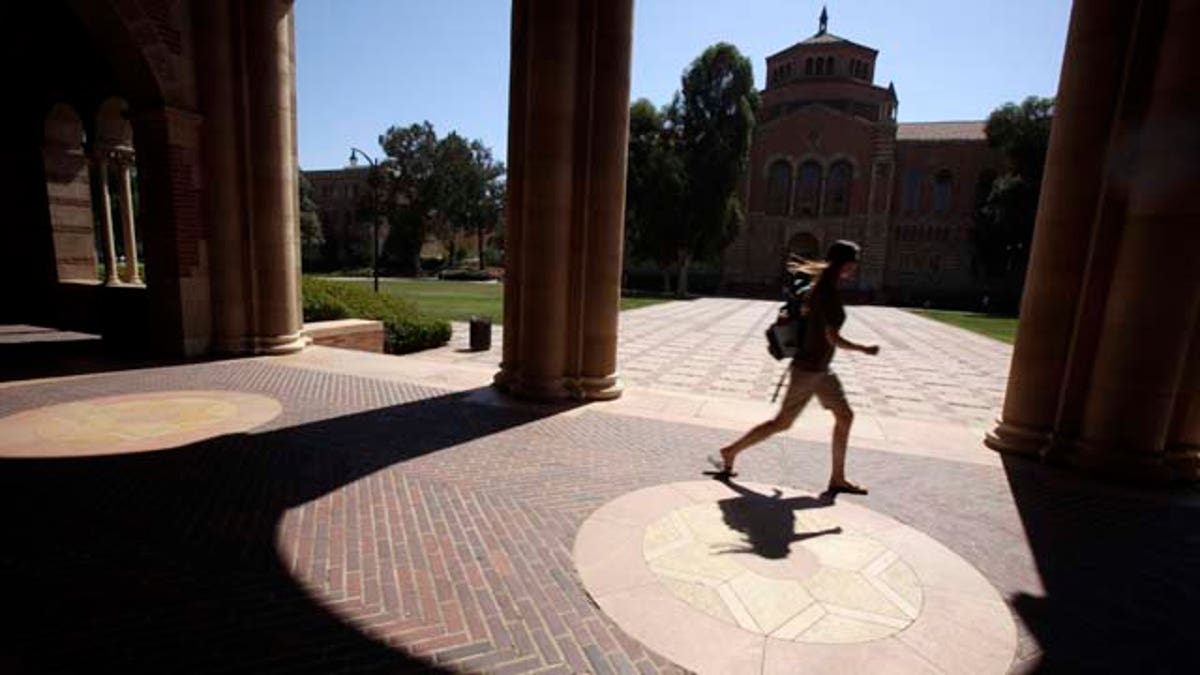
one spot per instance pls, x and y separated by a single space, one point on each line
132 423
751 578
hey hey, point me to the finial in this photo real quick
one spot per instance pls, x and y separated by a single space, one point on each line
824 26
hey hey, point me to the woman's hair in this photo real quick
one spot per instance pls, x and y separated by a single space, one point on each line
825 272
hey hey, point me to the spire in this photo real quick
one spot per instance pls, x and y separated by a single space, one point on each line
824 25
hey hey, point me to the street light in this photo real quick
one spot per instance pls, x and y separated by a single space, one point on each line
354 152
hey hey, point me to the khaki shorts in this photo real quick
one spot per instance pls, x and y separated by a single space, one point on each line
803 384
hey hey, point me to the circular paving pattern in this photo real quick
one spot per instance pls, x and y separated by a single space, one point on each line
132 423
752 578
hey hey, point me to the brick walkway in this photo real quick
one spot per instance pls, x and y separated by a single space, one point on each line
383 524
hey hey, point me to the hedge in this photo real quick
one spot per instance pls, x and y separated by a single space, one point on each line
405 328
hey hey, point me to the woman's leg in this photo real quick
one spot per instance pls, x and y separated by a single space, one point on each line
799 391
831 395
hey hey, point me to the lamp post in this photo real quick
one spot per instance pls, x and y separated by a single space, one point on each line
354 153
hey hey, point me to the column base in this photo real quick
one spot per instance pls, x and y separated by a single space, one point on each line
1012 438
558 388
1181 464
276 345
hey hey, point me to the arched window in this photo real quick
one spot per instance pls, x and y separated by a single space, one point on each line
820 66
912 190
943 191
808 66
808 192
837 189
829 65
779 183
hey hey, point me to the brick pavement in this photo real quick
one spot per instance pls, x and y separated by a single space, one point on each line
383 525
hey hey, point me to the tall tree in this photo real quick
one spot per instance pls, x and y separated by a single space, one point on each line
655 187
1004 219
715 119
312 236
408 188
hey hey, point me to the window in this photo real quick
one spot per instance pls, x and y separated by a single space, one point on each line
912 190
779 183
820 66
808 66
983 187
829 65
808 193
837 189
943 191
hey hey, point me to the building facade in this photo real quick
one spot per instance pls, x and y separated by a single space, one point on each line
343 198
829 161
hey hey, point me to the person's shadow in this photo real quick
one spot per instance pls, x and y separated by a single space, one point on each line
768 521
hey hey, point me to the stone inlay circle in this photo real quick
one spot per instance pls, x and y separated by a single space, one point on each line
734 578
810 582
127 423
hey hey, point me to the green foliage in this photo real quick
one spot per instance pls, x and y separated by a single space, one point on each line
312 237
1002 328
405 328
1004 219
437 187
687 161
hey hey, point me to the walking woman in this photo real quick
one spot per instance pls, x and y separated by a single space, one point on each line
810 374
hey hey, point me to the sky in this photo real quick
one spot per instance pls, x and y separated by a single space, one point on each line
365 65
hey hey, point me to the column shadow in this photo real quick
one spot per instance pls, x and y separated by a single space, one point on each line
166 562
1120 568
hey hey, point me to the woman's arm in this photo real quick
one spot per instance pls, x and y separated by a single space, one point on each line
835 338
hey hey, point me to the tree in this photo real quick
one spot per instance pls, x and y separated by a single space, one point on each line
655 185
437 187
1004 219
408 188
715 119
311 235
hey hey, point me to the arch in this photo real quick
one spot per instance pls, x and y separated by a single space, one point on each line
808 188
837 189
943 191
808 66
828 65
804 245
112 124
820 65
63 128
779 183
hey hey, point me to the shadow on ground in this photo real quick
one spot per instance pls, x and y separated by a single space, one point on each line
1121 571
769 522
165 562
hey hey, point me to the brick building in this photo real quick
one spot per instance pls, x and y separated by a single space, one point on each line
829 161
343 198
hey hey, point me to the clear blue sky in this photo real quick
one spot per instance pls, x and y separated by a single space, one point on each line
366 64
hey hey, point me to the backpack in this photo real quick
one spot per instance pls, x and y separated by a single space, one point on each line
786 335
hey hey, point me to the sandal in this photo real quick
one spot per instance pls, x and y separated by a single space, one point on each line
723 470
846 487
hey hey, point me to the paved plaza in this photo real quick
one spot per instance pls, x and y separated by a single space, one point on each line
336 511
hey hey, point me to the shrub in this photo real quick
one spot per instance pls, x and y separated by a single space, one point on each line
465 274
405 328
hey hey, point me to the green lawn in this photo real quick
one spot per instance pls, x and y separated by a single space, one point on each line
1001 328
460 300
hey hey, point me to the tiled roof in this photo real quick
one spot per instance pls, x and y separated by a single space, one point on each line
941 131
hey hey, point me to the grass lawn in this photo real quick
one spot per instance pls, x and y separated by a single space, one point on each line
460 300
1001 328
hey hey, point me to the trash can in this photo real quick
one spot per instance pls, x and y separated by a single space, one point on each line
481 333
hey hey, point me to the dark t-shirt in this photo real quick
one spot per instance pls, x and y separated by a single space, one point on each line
825 310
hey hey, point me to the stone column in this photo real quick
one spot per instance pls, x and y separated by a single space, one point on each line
110 248
568 126
220 85
270 157
124 165
1088 96
1138 382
